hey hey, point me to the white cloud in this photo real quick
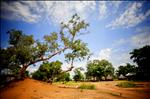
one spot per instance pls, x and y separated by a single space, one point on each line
107 8
55 11
18 10
103 54
102 9
116 3
141 39
62 10
131 17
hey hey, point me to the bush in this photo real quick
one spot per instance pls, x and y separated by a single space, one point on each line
38 75
87 86
126 84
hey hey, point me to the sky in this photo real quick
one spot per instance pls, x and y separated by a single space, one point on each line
116 27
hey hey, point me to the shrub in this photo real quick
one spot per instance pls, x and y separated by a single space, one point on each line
126 84
87 86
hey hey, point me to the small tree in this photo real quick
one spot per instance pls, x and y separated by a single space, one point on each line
48 71
78 75
65 77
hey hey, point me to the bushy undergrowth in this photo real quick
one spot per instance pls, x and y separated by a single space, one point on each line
87 86
126 84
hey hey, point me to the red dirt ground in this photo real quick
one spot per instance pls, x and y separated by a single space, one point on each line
32 89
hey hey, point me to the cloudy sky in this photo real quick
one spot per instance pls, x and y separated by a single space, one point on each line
116 27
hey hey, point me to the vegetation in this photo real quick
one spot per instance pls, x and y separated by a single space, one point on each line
65 77
48 71
126 84
23 51
78 75
87 86
142 58
98 68
128 68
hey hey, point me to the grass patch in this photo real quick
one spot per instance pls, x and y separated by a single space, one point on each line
87 86
126 84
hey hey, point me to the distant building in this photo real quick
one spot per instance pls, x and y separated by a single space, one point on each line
109 78
131 76
121 77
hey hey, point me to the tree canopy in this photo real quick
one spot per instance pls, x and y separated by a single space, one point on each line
48 71
99 68
128 68
142 58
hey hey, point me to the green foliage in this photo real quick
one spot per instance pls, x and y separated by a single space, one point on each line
142 58
87 86
97 68
48 71
39 75
126 84
78 75
64 77
128 68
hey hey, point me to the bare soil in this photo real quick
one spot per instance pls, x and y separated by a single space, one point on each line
32 89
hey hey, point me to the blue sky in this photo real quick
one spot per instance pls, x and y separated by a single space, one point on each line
116 27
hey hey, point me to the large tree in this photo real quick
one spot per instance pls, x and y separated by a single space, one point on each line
142 58
124 69
23 51
99 68
48 71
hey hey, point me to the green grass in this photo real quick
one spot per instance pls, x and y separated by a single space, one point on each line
126 84
87 86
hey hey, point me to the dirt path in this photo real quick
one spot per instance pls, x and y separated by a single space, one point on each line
32 89
129 93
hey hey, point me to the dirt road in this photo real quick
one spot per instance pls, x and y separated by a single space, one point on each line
32 89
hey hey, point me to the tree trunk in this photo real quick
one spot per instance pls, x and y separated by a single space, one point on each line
22 71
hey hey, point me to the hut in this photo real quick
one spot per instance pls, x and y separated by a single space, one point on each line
121 77
131 76
109 78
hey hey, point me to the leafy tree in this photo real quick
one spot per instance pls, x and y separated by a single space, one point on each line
78 75
65 77
24 51
48 71
97 69
128 68
39 75
142 58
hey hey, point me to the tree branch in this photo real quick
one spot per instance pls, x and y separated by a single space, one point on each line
69 69
43 59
